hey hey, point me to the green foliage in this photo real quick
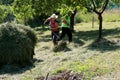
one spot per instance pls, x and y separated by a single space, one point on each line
22 10
6 2
4 11
70 5
63 10
16 43
114 4
116 1
100 3
45 6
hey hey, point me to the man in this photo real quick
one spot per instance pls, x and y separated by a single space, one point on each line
53 27
66 27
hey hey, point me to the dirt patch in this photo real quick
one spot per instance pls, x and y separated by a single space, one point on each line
65 75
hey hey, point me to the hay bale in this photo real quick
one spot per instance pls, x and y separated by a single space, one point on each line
16 43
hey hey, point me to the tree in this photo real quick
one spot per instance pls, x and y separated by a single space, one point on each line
45 6
6 2
99 13
5 10
99 6
73 6
27 9
22 9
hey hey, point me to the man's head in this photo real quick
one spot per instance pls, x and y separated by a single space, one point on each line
54 16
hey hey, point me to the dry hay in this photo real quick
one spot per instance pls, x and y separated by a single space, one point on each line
65 75
16 43
62 46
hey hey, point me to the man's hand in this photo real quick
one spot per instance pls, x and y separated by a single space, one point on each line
44 22
64 21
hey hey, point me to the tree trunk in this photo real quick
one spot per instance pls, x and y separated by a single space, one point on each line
100 26
99 13
72 20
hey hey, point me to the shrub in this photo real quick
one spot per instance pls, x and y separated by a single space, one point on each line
16 43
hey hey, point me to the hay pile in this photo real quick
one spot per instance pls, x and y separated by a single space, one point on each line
65 75
16 43
62 46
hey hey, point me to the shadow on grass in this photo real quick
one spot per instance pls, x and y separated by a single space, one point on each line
18 69
93 34
80 37
103 45
86 35
77 41
112 32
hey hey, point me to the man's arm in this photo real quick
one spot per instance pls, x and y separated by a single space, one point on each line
48 19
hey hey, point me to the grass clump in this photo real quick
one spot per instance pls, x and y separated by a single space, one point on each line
16 43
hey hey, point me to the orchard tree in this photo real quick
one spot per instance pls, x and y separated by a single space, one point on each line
46 7
99 6
73 6
22 9
26 9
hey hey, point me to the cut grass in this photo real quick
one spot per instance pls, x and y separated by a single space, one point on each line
83 55
93 61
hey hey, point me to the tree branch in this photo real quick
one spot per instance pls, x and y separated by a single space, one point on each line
46 78
104 6
94 7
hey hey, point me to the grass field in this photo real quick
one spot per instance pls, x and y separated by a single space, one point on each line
96 61
111 15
